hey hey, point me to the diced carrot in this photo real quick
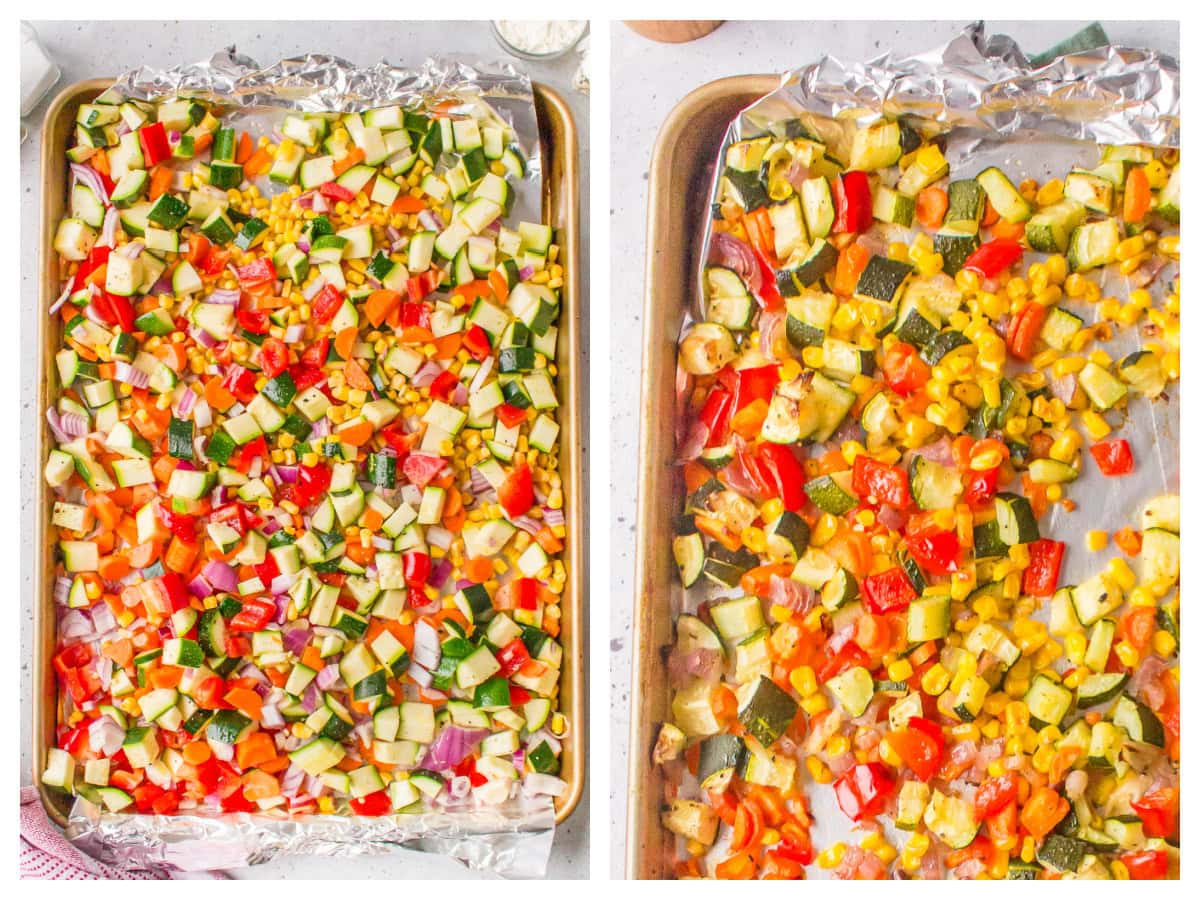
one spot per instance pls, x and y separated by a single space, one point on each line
932 204
203 142
245 700
357 434
355 376
474 289
256 748
343 343
407 203
447 346
479 569
371 520
453 502
113 567
105 510
144 554
279 677
105 541
349 161
198 247
413 334
851 262
1012 231
455 522
174 355
311 657
166 677
180 555
163 467
99 161
196 752
379 306
142 494
245 147
119 651
1137 195
990 216
160 180
217 396
276 763
259 162
498 284
360 554
548 540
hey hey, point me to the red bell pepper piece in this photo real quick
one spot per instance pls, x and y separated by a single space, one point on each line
516 491
312 482
904 369
420 468
305 376
994 257
863 791
443 386
273 357
326 304
517 695
1113 457
467 768
181 525
1148 865
1159 812
476 342
846 657
239 381
510 415
877 482
889 591
155 147
421 286
786 473
414 315
981 487
768 296
267 570
254 321
1045 561
316 353
935 550
253 616
237 802
921 745
260 271
715 415
417 566
374 804
1024 329
755 384
852 201
511 657
994 795
122 311
75 740
331 190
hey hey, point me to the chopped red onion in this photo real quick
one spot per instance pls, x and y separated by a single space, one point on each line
202 337
90 177
105 736
62 588
438 537
108 230
440 572
426 374
224 297
319 203
460 786
202 414
294 334
131 250
326 677
127 374
187 400
62 298
312 695
430 220
221 576
525 273
553 517
283 582
271 716
525 523
52 419
73 424
459 397
199 587
320 428
485 369
451 747
539 783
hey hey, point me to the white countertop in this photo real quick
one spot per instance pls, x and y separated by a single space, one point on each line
648 80
75 47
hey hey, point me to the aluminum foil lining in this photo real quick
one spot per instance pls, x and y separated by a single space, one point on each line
510 839
321 83
1033 123
978 89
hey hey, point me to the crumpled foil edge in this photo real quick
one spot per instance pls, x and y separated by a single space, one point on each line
512 839
981 88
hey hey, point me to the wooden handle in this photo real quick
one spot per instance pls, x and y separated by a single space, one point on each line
673 31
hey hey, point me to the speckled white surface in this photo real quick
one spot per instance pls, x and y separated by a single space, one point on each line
648 80
75 46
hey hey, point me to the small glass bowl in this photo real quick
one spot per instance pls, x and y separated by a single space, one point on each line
536 57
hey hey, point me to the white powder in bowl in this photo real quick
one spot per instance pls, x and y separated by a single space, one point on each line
539 38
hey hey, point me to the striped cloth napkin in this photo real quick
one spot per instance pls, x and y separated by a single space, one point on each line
46 854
